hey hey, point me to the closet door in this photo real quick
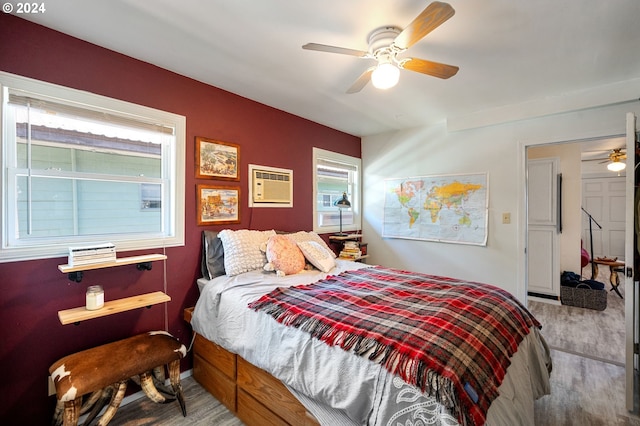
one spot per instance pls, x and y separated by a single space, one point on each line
604 199
543 270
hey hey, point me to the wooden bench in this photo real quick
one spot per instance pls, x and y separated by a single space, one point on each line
102 373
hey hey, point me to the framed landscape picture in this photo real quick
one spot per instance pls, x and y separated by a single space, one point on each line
218 204
217 159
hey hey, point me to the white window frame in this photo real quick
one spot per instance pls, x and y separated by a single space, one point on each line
355 198
174 172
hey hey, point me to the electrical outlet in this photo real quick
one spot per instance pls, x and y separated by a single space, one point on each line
506 218
51 387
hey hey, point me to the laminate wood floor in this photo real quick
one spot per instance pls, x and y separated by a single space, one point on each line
586 332
202 410
588 347
584 392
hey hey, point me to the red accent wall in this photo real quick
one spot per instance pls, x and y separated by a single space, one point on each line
31 293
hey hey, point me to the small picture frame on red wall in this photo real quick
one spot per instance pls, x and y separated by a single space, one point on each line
217 160
218 204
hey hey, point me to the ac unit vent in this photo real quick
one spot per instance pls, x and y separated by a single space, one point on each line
272 186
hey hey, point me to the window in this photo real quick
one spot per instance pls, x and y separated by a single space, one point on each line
335 174
83 168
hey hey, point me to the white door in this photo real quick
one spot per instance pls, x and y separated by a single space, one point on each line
543 269
630 304
604 199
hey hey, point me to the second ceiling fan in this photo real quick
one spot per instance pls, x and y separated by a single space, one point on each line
614 159
386 43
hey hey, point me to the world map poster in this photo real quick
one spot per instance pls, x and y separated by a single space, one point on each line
446 208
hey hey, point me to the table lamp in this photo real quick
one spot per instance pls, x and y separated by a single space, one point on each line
342 203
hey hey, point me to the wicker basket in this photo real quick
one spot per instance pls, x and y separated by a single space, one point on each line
583 296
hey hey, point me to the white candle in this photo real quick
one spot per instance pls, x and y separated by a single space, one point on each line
95 297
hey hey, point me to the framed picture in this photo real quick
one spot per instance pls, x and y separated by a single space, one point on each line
218 204
217 159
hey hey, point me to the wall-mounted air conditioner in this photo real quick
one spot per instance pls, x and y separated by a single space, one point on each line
270 187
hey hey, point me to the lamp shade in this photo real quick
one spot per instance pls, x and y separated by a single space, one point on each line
343 203
385 76
616 166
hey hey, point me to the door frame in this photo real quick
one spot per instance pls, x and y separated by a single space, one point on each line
630 307
522 242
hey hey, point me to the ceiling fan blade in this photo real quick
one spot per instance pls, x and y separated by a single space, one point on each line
431 18
334 49
435 69
361 81
609 159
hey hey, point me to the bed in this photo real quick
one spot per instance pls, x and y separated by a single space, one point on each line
268 372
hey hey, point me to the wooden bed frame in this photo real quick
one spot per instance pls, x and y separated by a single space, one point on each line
253 395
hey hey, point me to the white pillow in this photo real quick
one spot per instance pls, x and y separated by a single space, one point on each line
317 255
242 250
303 236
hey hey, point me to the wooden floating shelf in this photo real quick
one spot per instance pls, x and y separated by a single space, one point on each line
118 262
75 315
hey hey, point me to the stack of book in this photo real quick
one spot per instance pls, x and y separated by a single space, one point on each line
350 250
90 254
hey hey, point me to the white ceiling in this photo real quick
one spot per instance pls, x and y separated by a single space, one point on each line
509 52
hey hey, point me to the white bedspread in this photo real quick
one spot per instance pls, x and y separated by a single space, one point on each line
338 387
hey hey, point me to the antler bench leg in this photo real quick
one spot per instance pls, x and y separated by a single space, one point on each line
97 401
72 411
114 404
174 378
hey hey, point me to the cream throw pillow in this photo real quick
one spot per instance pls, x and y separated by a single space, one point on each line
317 255
242 250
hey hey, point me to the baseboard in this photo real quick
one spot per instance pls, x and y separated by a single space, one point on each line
550 300
542 295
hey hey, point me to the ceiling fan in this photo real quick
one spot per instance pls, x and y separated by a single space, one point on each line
386 43
615 163
614 159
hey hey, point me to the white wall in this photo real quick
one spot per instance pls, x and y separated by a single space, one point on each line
498 149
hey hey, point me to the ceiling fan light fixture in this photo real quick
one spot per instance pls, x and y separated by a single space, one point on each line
386 42
616 166
385 76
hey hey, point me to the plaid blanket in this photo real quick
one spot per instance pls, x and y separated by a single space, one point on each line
450 338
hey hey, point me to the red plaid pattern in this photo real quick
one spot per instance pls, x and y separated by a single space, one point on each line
440 334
